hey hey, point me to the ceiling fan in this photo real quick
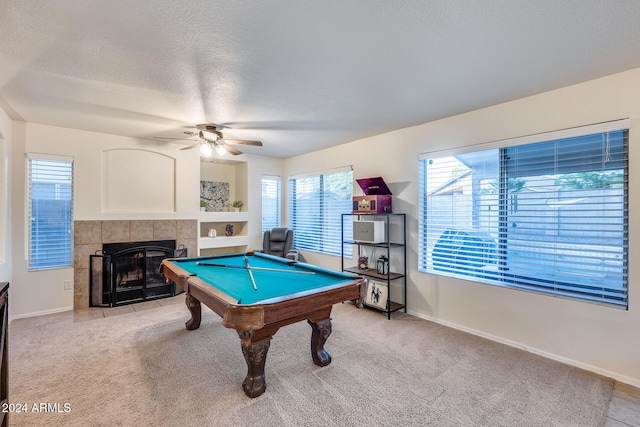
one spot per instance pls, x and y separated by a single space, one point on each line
212 139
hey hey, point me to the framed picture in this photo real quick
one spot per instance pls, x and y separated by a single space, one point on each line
215 195
377 294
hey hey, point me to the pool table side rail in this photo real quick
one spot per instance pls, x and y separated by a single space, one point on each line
300 294
285 261
327 297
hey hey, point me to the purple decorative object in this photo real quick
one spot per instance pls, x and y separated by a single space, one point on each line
377 198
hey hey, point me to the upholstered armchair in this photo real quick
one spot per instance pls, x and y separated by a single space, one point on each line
277 241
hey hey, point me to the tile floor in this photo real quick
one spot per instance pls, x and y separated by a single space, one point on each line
624 406
92 313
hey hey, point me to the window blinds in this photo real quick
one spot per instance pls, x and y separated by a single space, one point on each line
548 217
50 196
316 203
271 202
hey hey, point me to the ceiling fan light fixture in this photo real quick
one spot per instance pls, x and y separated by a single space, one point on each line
212 139
206 150
204 134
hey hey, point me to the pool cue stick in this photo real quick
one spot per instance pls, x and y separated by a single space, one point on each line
253 281
254 268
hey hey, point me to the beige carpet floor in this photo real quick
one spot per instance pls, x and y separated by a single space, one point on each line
146 369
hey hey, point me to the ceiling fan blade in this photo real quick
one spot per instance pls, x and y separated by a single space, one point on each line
193 146
175 139
231 149
243 142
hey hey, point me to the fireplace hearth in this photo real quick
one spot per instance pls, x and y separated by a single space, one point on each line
127 273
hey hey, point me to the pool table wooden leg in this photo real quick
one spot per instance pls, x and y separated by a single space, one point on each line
255 354
196 312
320 332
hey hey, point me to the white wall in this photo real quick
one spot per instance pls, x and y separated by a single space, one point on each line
137 180
6 137
598 338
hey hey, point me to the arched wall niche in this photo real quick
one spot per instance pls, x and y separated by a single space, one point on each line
138 181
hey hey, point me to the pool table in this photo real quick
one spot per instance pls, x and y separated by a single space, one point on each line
256 294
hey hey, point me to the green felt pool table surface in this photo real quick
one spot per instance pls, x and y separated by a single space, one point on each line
290 278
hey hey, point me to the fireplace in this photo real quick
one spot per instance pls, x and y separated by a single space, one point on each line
126 273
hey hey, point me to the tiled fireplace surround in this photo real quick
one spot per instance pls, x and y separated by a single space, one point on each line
89 236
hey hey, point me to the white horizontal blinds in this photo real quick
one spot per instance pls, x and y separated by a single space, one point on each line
423 228
50 188
460 213
548 216
271 202
316 203
566 227
305 216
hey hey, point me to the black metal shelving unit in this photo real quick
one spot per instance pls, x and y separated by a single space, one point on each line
395 249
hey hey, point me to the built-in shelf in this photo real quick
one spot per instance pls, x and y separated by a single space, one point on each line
223 216
223 243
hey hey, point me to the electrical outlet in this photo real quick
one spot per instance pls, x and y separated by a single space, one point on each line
67 284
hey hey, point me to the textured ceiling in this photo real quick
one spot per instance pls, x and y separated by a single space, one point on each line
298 75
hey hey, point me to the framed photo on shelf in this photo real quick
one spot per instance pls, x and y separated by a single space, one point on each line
377 294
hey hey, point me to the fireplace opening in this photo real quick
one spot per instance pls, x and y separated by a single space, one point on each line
126 273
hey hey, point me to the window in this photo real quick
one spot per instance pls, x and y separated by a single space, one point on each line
270 202
546 214
50 187
316 203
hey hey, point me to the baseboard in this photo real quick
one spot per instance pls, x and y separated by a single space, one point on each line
615 375
40 313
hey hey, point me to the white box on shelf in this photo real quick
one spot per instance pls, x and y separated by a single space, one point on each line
369 231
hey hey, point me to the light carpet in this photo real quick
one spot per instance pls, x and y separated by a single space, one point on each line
146 369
